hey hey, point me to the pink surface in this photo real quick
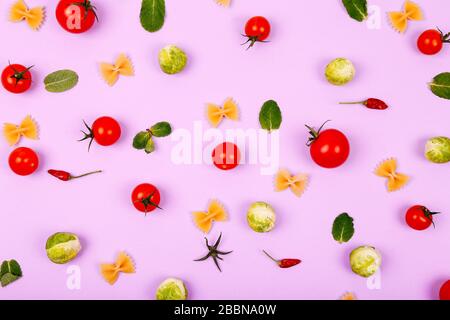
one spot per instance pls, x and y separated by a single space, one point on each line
289 69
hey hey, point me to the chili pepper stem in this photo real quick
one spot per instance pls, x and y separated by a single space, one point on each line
358 102
85 174
272 258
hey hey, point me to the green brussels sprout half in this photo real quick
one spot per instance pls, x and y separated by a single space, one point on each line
172 59
437 150
340 71
261 217
365 261
171 289
62 247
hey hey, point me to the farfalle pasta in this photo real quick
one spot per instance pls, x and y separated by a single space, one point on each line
297 183
216 113
123 264
28 128
204 220
34 17
399 19
225 3
388 169
111 72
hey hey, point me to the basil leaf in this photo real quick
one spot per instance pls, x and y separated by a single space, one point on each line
141 139
357 9
343 229
60 81
441 85
10 271
161 129
270 116
152 14
150 146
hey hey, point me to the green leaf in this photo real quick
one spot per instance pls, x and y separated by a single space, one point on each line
161 129
270 116
141 139
441 85
10 271
60 81
152 14
7 279
343 229
150 147
14 268
357 9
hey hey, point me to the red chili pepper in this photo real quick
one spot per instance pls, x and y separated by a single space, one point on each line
284 263
66 176
370 103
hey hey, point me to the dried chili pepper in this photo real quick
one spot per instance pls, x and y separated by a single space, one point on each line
284 263
371 103
214 253
66 176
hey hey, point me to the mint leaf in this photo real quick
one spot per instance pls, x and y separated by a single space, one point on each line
441 85
60 81
150 146
357 9
141 140
270 116
161 129
343 228
152 14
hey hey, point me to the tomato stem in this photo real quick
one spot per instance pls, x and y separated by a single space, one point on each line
429 215
314 134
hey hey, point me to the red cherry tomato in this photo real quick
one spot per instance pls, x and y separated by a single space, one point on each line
76 16
23 161
430 41
16 78
419 217
329 148
226 156
444 293
105 131
146 197
257 29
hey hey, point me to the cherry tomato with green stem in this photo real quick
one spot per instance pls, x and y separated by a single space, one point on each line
431 41
105 131
76 16
257 29
146 197
16 78
419 217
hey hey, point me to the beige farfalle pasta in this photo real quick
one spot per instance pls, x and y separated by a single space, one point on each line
225 3
123 264
111 72
216 212
348 296
297 183
28 128
388 169
216 113
399 19
34 17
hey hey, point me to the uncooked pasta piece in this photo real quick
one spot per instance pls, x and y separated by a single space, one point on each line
33 17
216 113
399 19
216 212
225 3
388 169
297 183
111 72
348 296
124 263
27 128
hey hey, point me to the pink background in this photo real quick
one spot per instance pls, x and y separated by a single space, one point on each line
305 36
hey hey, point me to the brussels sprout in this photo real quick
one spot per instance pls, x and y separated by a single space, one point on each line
437 149
365 261
340 71
62 247
172 59
171 289
261 217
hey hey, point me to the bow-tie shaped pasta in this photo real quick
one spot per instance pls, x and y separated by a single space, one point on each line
387 169
124 263
27 128
297 183
204 220
111 72
399 20
225 3
34 17
216 113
